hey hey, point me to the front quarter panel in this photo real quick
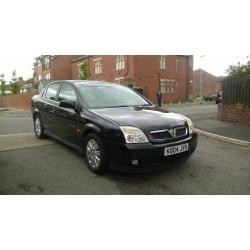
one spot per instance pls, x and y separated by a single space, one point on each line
105 128
35 103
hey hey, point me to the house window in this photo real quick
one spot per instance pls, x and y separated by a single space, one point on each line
170 86
46 63
79 70
98 66
163 86
120 80
47 76
120 63
162 62
177 65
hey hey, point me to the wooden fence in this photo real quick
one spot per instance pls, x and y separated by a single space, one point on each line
236 91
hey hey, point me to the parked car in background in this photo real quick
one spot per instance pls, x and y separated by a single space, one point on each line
218 98
113 126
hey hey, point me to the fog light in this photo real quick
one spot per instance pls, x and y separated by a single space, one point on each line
134 162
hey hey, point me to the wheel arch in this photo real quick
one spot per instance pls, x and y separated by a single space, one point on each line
35 112
91 128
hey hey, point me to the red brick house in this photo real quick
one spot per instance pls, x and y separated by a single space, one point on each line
48 67
209 83
173 74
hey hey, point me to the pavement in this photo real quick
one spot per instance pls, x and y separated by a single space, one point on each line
14 112
192 108
20 141
204 117
32 166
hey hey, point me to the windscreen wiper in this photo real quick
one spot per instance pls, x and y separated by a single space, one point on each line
119 106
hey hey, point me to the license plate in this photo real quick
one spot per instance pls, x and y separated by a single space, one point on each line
176 149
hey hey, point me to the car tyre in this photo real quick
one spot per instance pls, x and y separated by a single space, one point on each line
38 127
94 154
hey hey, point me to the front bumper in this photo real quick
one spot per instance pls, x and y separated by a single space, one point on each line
150 157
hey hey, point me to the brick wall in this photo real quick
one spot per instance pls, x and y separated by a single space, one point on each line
21 101
144 72
234 113
60 68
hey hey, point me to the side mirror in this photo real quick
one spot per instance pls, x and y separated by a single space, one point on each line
67 104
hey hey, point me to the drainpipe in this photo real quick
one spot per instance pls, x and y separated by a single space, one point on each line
187 81
127 71
89 69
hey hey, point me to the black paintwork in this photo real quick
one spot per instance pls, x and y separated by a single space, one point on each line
72 125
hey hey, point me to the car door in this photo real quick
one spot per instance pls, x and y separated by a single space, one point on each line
67 120
49 101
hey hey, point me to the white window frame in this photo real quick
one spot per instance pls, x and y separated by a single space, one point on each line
163 85
119 63
170 87
78 67
162 62
98 66
118 79
47 76
46 63
177 65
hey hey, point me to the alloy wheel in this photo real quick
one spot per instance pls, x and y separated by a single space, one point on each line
93 153
38 127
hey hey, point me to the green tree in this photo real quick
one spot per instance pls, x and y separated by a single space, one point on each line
3 85
84 72
239 70
15 85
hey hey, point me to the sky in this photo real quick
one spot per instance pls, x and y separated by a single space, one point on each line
214 64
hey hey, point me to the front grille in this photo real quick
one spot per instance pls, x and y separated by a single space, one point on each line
161 135
169 134
181 131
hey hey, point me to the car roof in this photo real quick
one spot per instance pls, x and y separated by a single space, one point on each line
87 82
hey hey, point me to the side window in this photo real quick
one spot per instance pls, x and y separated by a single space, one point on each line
52 91
67 93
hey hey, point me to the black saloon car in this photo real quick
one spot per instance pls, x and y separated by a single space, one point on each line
112 125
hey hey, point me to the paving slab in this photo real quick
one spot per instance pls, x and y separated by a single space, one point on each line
227 129
13 125
14 112
21 141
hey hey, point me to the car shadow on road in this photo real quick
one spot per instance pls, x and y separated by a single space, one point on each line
148 183
155 182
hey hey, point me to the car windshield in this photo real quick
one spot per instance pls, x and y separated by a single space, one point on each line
110 96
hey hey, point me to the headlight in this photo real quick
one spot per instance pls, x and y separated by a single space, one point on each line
133 135
190 126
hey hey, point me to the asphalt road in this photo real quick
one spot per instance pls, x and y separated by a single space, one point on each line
32 166
14 125
21 122
194 109
215 168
